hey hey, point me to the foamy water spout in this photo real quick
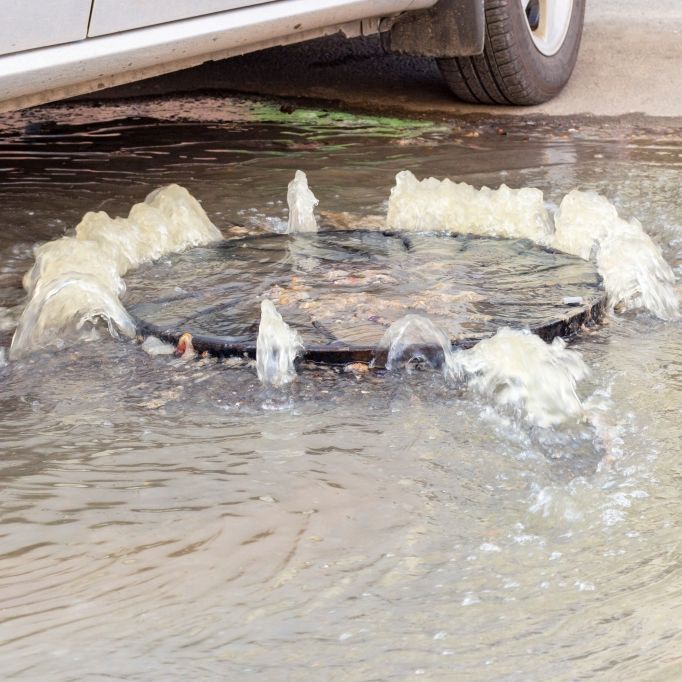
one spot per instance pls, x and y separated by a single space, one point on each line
433 205
514 369
518 370
302 203
76 282
276 348
415 337
631 263
586 225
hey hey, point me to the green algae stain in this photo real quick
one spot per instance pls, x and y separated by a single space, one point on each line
383 126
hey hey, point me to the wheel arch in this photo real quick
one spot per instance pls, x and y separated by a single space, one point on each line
452 28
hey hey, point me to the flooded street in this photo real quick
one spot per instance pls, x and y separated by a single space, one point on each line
165 519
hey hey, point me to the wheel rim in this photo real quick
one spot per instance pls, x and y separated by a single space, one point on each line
548 22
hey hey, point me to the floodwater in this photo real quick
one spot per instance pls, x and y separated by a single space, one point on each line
163 519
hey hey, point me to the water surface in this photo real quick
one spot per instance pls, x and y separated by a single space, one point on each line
173 520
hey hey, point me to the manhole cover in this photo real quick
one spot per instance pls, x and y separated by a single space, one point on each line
341 290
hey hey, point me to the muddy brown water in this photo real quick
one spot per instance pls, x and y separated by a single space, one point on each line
173 520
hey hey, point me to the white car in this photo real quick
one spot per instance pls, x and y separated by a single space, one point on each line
490 51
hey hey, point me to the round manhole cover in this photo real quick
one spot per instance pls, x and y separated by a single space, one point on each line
341 290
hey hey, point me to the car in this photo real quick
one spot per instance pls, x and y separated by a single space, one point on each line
518 52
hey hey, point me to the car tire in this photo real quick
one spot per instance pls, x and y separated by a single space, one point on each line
531 47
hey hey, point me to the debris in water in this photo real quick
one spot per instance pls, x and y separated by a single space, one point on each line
155 346
346 220
276 347
301 202
356 368
185 349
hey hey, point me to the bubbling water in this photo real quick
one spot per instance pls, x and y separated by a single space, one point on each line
302 203
632 265
77 281
513 368
416 337
276 347
586 225
432 205
516 369
68 306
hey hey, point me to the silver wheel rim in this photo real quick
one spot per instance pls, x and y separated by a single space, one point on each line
547 22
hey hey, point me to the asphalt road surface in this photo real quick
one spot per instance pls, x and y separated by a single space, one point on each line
630 62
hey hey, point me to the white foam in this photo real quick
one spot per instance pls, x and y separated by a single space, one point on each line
519 370
77 281
433 205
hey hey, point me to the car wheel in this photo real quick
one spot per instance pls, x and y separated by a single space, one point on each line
531 47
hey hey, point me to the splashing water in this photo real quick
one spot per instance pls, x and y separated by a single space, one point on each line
276 347
301 202
513 368
77 281
68 307
445 206
586 225
632 265
169 220
518 369
415 337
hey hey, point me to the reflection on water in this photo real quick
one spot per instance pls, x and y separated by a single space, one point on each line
171 519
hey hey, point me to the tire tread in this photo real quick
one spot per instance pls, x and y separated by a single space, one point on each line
500 74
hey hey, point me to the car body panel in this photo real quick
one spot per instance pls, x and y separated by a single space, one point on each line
21 27
113 16
42 75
